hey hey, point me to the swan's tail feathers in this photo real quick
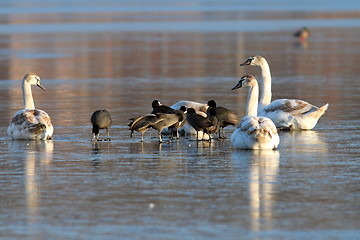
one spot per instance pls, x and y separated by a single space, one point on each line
319 112
324 108
37 128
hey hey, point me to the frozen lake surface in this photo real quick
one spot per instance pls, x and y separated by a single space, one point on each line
120 56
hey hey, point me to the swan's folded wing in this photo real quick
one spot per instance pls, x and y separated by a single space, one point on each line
268 125
249 123
27 124
292 106
42 117
31 117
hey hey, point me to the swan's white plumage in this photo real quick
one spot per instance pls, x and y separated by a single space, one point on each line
30 123
254 132
200 108
291 114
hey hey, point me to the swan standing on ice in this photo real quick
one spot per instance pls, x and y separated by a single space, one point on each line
287 114
30 123
254 132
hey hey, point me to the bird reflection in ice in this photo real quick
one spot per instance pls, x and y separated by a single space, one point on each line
263 170
37 156
304 142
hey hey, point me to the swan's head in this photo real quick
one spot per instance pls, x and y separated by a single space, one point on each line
211 103
253 61
245 81
33 79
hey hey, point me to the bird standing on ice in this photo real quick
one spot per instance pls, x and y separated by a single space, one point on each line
254 132
287 114
100 119
30 123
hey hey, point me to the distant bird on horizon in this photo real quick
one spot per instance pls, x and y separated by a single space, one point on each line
302 34
100 119
30 123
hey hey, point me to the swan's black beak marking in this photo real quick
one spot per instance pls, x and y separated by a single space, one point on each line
247 62
39 85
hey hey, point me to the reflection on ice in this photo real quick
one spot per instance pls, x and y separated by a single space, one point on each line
263 171
97 149
306 142
37 155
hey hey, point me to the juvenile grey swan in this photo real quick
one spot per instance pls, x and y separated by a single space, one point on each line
254 132
30 123
287 114
100 119
224 116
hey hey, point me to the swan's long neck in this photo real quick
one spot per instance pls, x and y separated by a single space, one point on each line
265 85
252 100
27 96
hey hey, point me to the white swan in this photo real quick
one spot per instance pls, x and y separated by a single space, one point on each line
200 108
292 114
254 132
30 123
